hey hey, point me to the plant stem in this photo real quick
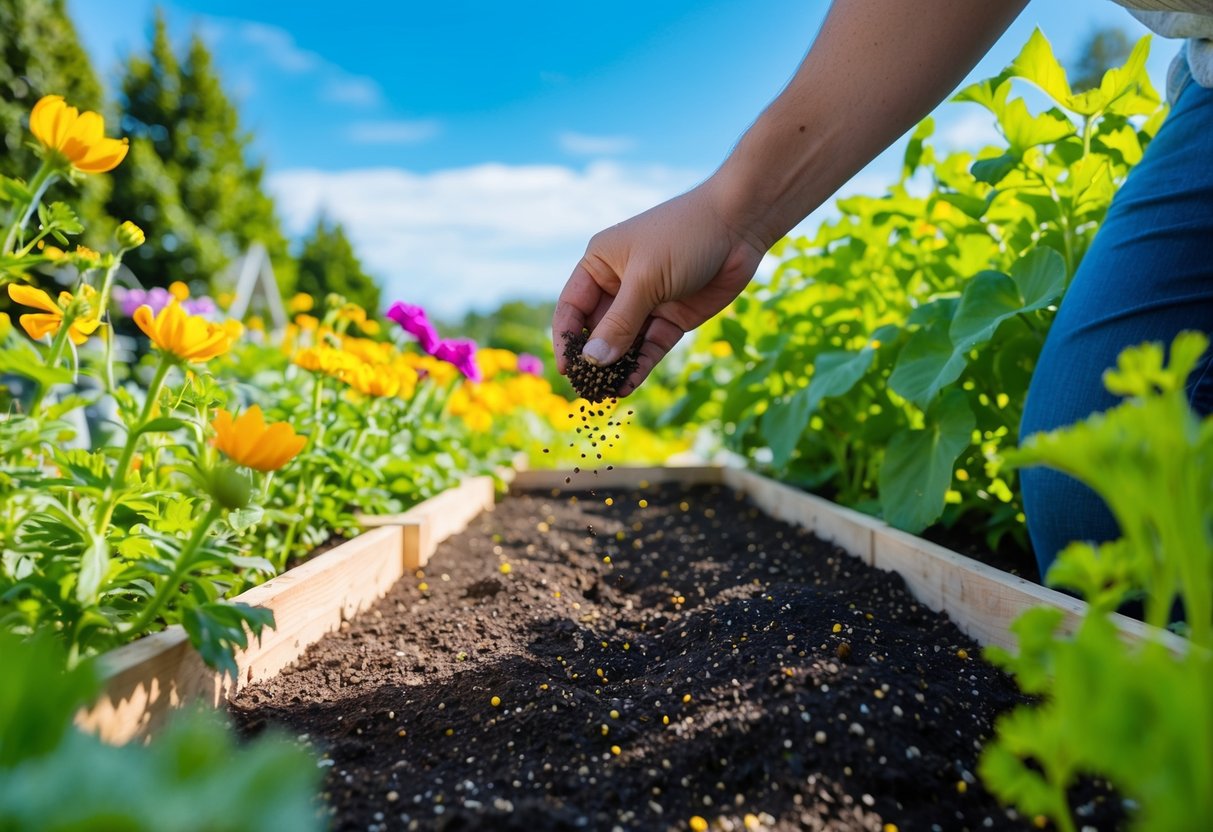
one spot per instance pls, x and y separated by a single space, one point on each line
185 560
42 180
109 499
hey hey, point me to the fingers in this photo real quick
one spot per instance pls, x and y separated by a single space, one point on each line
659 339
575 309
620 325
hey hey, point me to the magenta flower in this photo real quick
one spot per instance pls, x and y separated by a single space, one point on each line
462 353
412 319
528 363
131 299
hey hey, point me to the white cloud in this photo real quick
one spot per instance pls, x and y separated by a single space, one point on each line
970 132
581 144
277 47
392 131
472 237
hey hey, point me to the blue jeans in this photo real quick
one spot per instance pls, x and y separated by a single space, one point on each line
1147 276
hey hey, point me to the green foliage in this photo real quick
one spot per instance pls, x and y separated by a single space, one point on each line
328 264
189 182
886 361
1140 716
192 778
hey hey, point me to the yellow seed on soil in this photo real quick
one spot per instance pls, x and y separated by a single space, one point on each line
450 732
961 786
543 686
543 527
616 750
600 672
684 506
890 827
686 697
423 586
614 714
605 730
837 628
505 568
665 720
609 501
698 824
402 733
752 821
556 594
627 646
962 653
495 701
644 503
606 559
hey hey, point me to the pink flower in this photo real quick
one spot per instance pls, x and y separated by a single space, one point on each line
528 363
412 319
462 353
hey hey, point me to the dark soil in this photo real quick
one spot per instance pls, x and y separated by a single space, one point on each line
595 663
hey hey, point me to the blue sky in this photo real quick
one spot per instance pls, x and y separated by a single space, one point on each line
472 148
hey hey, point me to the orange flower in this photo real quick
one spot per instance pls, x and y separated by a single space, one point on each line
77 137
48 321
247 440
189 337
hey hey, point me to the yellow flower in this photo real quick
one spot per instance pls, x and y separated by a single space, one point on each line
50 319
87 256
247 440
76 137
352 312
189 337
179 290
370 326
129 235
307 323
224 299
256 323
301 302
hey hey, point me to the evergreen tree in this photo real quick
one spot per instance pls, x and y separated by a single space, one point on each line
1103 49
327 263
189 182
43 56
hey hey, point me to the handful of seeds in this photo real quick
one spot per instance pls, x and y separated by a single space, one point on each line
596 383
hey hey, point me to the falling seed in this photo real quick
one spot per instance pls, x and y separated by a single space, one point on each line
495 701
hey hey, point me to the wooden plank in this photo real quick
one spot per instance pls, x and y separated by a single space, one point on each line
434 520
618 477
146 680
852 530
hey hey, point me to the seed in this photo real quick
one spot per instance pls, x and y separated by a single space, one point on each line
644 503
837 628
686 697
698 824
962 653
961 787
609 501
495 701
423 586
616 750
614 714
505 569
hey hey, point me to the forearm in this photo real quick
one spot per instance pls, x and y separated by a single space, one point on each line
875 69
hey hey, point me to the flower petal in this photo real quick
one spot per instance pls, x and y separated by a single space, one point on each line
103 157
38 325
27 295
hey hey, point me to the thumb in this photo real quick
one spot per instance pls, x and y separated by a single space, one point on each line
619 327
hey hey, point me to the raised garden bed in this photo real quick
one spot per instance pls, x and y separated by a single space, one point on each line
691 659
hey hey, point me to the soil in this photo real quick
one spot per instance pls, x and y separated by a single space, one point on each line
647 660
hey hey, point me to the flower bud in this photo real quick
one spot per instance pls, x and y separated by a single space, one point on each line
129 235
230 488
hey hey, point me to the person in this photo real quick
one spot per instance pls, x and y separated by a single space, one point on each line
874 70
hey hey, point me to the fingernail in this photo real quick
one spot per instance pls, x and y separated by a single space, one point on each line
597 351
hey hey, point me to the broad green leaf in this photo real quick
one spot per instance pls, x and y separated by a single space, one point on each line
1037 64
918 464
735 334
94 564
1036 280
834 373
783 423
990 93
23 360
927 364
1024 130
992 171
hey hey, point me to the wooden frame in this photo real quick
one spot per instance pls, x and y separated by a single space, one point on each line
146 680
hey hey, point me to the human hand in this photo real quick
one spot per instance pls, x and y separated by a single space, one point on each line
658 275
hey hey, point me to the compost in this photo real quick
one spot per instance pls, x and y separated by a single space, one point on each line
661 658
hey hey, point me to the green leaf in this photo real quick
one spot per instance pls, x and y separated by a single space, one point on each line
918 464
243 519
94 564
1025 131
1037 64
733 332
1036 280
23 360
992 171
835 373
783 423
163 424
927 364
217 629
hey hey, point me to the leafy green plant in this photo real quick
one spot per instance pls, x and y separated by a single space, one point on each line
193 777
886 361
1139 716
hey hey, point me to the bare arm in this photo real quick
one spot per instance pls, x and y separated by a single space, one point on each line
876 68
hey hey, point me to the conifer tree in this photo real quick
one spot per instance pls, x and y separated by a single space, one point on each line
190 182
327 263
